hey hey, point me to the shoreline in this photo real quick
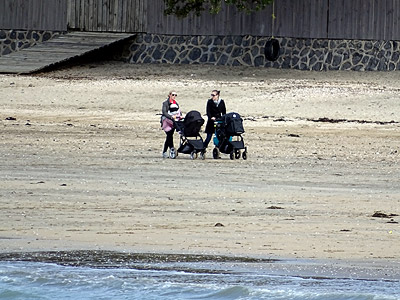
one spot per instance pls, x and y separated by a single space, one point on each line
379 270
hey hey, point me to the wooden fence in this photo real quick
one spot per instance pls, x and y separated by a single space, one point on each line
305 18
365 19
33 14
228 22
107 15
332 19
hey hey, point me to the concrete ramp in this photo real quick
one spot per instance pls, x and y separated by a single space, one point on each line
57 50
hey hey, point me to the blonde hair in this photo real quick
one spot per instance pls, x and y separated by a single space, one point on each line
170 92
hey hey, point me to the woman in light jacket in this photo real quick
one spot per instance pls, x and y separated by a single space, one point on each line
170 112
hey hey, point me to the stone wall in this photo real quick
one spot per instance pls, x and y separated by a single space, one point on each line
14 40
302 54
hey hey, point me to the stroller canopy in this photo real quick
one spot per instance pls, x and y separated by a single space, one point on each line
192 123
233 124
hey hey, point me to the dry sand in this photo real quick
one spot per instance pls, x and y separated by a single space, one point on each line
81 164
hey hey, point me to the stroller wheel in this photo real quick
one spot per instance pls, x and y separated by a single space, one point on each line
232 155
237 154
193 155
215 153
244 155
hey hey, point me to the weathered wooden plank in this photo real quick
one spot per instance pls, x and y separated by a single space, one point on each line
95 20
117 16
162 24
297 22
360 19
54 51
366 22
3 16
33 14
347 10
395 26
69 13
47 8
131 15
119 13
135 14
19 12
388 18
113 21
319 20
99 12
104 23
380 17
82 14
71 48
353 19
24 9
88 15
108 15
335 19
62 24
14 8
77 14
124 9
13 15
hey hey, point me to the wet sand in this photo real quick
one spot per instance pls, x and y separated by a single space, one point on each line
216 264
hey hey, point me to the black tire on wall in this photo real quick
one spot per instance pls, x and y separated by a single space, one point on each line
272 49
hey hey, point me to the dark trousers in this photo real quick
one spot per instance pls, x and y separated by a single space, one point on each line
169 140
207 140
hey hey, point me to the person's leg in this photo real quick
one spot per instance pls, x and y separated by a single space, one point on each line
170 137
165 149
169 142
208 139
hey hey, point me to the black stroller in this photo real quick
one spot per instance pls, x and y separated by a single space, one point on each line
190 128
228 137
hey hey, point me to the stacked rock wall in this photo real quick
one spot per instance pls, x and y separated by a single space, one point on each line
14 40
302 54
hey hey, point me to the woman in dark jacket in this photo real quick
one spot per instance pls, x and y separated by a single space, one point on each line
215 109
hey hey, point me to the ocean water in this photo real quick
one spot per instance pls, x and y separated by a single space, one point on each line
43 280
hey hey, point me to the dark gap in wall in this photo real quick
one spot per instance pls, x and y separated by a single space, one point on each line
113 52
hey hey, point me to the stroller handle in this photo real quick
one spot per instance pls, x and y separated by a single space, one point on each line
178 124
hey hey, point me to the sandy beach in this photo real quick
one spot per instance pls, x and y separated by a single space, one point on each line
81 165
